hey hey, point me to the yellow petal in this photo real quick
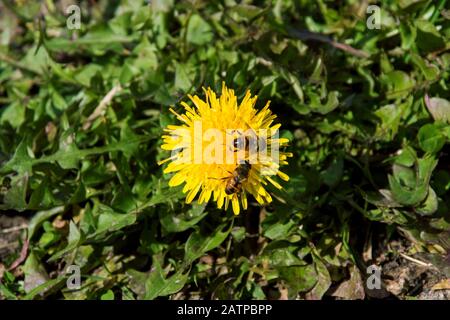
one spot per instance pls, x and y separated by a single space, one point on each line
244 201
176 180
191 195
205 195
168 159
220 200
235 203
276 184
227 202
283 176
268 198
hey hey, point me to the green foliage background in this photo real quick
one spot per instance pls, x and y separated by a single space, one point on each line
368 124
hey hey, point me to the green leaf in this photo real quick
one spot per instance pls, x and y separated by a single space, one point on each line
390 116
184 76
35 273
331 104
428 37
15 196
333 174
73 241
406 176
198 31
430 138
98 40
182 222
430 205
413 195
299 278
429 71
282 254
323 282
278 230
440 224
198 244
43 288
398 84
408 33
7 293
158 285
22 162
238 233
13 114
407 157
108 295
245 11
67 145
109 221
39 218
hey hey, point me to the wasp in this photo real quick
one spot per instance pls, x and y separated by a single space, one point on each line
238 176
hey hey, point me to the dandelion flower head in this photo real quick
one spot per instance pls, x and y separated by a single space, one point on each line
207 159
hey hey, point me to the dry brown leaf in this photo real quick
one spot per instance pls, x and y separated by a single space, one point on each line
442 285
353 288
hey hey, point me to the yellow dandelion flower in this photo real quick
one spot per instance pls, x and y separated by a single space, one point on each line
224 150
